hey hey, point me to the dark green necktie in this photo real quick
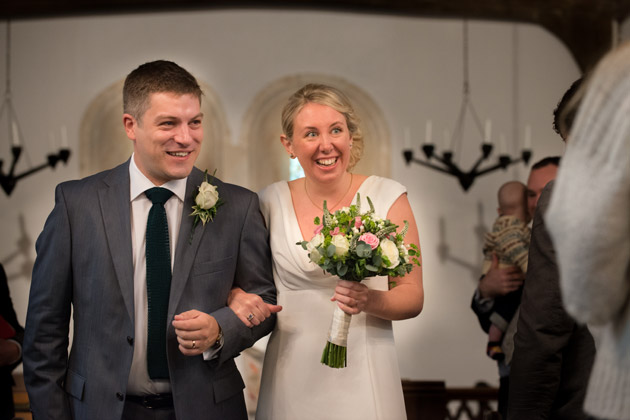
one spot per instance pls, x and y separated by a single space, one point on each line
158 254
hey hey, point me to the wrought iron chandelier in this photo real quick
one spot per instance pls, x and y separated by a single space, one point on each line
443 162
9 179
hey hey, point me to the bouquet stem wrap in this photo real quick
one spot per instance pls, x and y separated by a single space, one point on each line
334 354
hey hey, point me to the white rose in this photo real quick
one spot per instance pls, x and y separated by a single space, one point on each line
315 256
390 250
207 197
341 245
315 242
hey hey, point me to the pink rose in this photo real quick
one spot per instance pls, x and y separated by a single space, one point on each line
370 239
318 229
335 231
358 222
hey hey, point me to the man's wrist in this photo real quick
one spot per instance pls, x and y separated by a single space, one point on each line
219 341
481 303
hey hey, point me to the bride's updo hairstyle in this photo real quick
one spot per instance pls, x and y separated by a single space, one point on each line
329 96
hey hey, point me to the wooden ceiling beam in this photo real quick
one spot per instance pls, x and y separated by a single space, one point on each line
584 26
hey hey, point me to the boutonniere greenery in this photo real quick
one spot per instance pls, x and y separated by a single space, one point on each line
207 201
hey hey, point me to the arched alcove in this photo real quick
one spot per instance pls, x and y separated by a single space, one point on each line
268 162
103 143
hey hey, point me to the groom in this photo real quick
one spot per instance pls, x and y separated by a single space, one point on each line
146 286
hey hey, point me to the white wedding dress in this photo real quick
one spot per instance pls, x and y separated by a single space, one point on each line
295 385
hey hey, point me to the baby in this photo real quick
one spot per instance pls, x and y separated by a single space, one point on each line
509 241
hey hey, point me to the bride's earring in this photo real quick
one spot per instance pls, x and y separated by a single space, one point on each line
291 155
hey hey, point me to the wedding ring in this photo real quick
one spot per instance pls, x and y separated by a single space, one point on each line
250 317
193 344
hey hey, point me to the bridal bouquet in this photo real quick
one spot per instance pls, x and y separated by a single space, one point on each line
354 245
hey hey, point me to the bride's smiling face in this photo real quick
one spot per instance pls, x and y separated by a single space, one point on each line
321 142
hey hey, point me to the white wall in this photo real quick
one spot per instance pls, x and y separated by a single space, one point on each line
411 67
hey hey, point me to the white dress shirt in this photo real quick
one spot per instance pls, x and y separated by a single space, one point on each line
139 382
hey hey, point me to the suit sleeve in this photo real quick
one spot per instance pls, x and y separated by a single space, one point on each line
47 322
543 330
254 275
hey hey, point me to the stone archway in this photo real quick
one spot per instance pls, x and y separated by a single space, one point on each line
103 143
268 161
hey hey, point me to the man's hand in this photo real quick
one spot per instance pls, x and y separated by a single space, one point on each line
196 332
500 281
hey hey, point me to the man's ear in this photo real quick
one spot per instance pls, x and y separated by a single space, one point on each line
130 124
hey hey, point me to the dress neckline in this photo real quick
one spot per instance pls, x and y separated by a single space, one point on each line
295 224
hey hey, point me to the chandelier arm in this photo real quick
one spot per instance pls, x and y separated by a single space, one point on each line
451 168
16 151
497 166
475 167
430 165
31 171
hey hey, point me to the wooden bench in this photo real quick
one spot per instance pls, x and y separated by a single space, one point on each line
432 400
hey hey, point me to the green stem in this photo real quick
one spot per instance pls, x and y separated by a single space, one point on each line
334 356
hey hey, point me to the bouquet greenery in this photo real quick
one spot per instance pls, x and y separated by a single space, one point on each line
354 245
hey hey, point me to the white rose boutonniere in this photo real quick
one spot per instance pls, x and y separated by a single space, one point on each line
207 201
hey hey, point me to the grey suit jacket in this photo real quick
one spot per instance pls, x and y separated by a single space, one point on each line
553 355
84 264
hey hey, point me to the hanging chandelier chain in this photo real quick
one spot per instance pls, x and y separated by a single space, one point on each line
466 84
8 59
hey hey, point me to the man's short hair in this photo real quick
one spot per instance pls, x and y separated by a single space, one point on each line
552 160
156 77
564 114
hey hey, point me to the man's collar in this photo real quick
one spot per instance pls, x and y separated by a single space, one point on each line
139 183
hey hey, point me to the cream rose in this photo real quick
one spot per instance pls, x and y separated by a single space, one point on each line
316 241
207 197
314 255
311 247
390 250
341 245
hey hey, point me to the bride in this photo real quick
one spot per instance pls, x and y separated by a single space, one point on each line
321 130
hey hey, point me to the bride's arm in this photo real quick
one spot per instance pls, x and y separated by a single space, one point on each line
403 301
249 307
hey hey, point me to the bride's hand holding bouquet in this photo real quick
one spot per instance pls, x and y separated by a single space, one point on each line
354 245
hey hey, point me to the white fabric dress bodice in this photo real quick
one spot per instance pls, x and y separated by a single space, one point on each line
295 385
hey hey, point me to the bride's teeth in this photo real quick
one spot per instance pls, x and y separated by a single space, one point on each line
326 162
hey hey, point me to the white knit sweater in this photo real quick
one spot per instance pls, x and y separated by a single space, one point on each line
589 222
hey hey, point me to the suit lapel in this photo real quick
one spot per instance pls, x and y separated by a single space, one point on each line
186 246
115 210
